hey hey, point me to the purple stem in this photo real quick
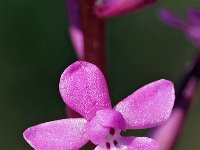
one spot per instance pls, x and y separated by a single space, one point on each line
94 32
167 135
88 36
94 39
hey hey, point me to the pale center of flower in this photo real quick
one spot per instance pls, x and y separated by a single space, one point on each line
104 129
111 140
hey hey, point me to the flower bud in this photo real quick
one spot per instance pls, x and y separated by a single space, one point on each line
109 8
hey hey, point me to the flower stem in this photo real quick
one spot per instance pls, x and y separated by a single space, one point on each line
183 96
167 135
94 35
94 39
82 18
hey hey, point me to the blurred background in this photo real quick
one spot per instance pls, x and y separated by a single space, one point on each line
35 49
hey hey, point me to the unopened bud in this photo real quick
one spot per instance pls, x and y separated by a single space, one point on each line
109 8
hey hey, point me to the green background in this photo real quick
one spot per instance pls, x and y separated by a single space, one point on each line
35 48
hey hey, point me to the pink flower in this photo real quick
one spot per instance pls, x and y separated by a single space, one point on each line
109 8
191 27
84 89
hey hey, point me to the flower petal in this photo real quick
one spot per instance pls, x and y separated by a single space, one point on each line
131 143
171 19
109 8
75 29
58 135
167 133
84 89
100 126
137 143
111 118
99 148
96 132
194 15
149 106
193 33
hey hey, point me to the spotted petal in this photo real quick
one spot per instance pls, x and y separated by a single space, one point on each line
131 143
109 8
149 106
58 135
99 127
84 89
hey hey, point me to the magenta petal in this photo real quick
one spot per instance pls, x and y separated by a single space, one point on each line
111 118
84 89
171 19
149 106
99 148
194 15
96 132
166 134
99 127
137 143
109 8
58 135
77 40
193 32
131 143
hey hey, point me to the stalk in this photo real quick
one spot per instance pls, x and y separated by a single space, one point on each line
94 35
94 39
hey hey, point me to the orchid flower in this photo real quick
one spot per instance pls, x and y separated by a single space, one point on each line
84 89
191 27
109 8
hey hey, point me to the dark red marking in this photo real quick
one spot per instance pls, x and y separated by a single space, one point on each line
107 145
112 131
115 142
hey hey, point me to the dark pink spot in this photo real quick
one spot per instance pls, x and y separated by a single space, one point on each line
107 145
112 131
115 142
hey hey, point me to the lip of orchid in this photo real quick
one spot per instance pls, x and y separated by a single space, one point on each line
84 89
